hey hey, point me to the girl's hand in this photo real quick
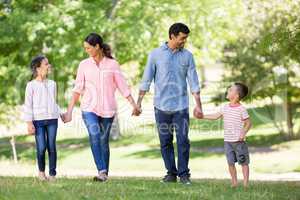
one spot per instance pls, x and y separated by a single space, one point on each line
62 117
30 128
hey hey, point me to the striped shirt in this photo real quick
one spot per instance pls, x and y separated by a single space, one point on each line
40 101
234 118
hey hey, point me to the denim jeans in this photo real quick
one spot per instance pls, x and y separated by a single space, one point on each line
167 123
99 130
45 138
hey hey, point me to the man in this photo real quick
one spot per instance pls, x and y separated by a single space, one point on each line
171 66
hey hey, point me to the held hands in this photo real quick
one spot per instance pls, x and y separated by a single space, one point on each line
242 137
66 117
30 128
198 112
137 110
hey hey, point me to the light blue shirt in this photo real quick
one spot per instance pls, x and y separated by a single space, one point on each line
171 71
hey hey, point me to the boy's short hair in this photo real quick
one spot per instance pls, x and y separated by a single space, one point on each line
176 28
242 90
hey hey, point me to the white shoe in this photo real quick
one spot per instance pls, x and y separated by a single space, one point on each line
42 176
51 178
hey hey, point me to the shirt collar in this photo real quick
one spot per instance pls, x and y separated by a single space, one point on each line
94 62
165 46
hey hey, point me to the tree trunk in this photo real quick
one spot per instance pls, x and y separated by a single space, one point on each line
14 150
289 117
115 132
202 75
273 117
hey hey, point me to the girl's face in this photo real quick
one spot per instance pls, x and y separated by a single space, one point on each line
45 68
91 50
232 93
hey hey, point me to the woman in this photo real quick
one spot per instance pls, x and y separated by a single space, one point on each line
97 79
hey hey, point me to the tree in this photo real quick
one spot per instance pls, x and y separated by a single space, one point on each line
264 57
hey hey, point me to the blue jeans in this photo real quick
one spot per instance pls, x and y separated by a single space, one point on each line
45 138
99 130
167 123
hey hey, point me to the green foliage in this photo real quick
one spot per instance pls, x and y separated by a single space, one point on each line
265 55
57 29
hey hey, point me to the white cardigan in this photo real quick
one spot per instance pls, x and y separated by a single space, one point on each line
40 101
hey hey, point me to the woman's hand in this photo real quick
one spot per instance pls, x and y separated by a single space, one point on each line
30 128
136 110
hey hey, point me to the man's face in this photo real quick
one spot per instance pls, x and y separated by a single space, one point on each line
179 40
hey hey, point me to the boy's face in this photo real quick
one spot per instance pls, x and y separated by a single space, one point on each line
232 93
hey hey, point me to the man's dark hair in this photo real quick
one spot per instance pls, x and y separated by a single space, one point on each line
242 90
176 28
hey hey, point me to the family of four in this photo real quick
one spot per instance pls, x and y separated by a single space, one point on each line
172 68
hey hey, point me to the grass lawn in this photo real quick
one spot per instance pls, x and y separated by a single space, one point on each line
141 188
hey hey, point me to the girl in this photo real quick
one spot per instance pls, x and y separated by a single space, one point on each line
41 113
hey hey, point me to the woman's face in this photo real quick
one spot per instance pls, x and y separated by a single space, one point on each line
90 49
45 68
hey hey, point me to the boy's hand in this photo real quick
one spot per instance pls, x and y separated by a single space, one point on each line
30 128
242 137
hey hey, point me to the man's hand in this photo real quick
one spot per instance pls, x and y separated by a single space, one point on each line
137 110
198 112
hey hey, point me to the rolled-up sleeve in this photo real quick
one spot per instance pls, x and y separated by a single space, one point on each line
28 104
121 82
149 74
192 76
79 81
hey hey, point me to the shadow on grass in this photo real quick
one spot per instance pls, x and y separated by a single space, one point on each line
214 147
26 148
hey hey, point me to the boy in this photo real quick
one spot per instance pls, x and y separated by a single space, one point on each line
236 125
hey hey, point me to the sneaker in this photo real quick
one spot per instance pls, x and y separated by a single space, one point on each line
42 176
51 178
102 177
169 178
185 180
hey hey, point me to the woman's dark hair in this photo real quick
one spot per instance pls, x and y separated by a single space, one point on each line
242 90
94 39
176 28
36 63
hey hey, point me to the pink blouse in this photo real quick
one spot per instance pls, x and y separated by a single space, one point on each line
97 86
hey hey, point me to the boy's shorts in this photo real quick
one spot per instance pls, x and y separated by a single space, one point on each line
237 152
